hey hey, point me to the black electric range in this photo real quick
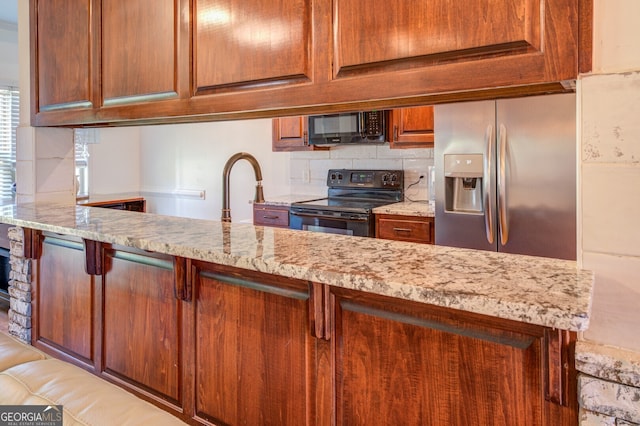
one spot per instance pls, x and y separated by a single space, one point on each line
351 197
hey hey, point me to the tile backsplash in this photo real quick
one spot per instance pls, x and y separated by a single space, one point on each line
308 169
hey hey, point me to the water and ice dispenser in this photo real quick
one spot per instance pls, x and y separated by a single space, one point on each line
463 175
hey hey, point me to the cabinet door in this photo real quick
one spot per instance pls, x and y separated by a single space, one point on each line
290 134
405 228
67 298
422 365
277 216
411 127
456 45
254 353
64 68
251 43
143 50
142 321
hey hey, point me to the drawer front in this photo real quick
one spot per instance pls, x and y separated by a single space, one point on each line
412 230
270 216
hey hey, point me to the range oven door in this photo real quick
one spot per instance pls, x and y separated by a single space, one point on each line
330 222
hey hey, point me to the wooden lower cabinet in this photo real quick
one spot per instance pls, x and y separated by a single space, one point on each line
414 364
269 215
220 345
67 301
254 356
415 229
142 323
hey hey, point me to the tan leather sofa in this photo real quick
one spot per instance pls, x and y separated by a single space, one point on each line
30 377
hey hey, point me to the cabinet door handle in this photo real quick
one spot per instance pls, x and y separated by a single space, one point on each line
273 217
402 230
395 133
305 137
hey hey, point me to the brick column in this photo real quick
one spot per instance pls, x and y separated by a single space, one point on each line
19 288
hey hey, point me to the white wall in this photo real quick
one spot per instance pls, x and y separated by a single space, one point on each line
191 157
610 168
9 74
114 161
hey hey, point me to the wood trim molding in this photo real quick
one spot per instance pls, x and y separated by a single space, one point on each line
32 244
556 345
182 286
320 311
93 264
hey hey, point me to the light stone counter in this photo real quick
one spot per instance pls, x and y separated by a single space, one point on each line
287 200
534 290
408 208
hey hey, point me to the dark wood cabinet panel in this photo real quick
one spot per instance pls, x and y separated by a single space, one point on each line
267 215
437 367
141 50
424 33
134 206
142 323
248 43
405 228
411 127
290 134
64 68
254 351
66 308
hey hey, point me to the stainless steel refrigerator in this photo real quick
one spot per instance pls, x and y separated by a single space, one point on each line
506 175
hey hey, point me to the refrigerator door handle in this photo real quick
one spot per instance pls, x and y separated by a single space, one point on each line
488 210
503 220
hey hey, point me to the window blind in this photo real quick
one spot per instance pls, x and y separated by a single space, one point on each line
9 117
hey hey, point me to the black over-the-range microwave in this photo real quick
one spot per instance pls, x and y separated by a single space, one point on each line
352 127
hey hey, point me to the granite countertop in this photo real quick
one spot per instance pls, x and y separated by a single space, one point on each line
548 292
287 200
408 208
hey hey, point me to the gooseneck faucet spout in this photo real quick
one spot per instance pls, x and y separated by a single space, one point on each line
259 198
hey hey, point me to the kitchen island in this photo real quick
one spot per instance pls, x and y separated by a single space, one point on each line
231 323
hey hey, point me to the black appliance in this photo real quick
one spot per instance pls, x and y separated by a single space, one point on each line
351 128
351 197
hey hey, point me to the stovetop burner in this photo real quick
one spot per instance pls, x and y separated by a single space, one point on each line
359 190
344 204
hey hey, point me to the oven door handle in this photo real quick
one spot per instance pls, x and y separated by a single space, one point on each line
319 216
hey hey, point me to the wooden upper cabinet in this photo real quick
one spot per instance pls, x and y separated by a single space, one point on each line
141 51
411 127
158 61
63 71
249 43
457 45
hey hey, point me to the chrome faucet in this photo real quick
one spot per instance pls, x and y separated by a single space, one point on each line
259 198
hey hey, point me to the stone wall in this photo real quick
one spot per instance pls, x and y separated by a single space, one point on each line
608 385
19 288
